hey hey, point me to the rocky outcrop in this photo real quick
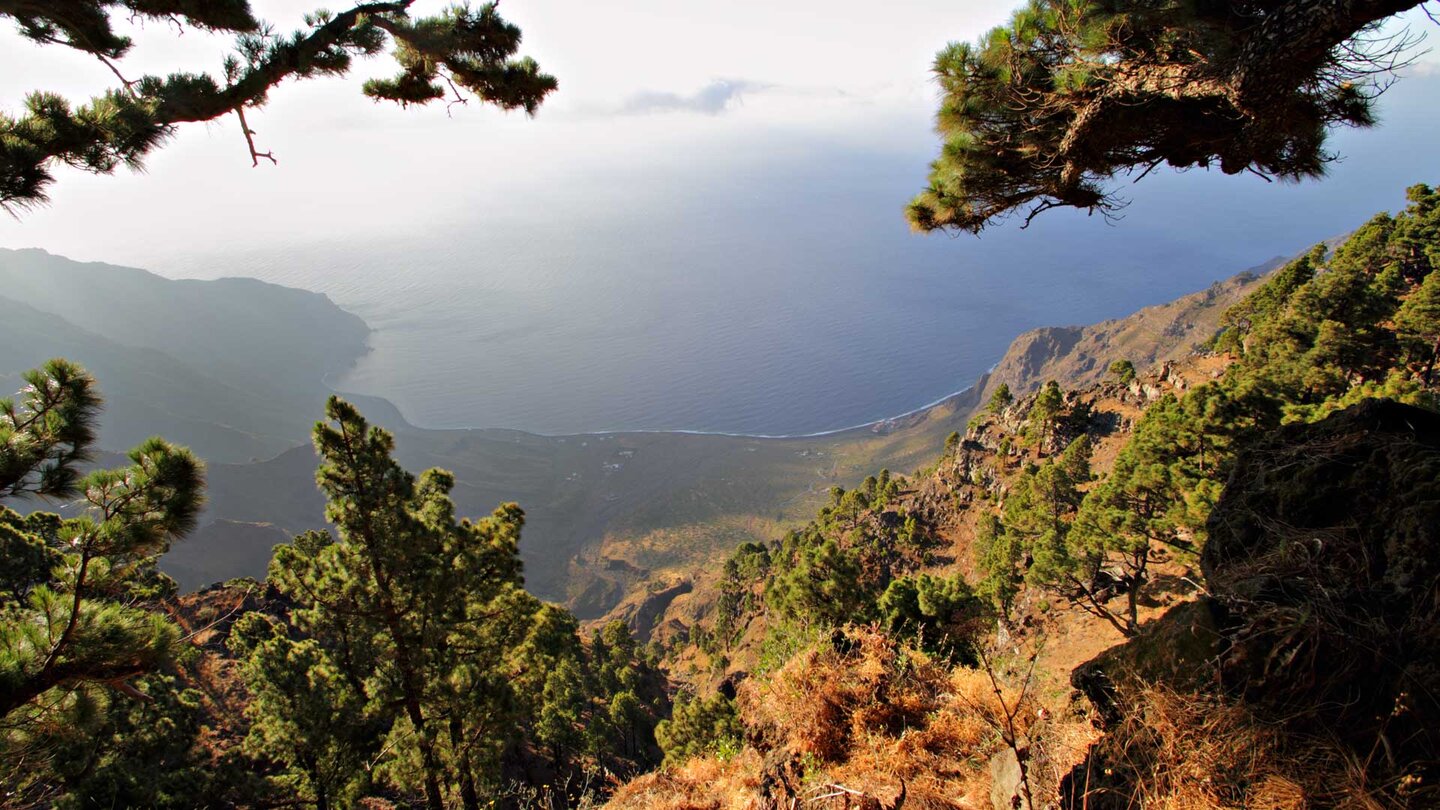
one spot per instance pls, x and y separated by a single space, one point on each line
1078 357
642 613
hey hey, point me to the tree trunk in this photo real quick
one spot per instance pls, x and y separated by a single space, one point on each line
1293 40
433 798
469 796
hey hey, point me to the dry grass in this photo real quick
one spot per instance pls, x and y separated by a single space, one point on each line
706 783
871 720
856 692
1182 751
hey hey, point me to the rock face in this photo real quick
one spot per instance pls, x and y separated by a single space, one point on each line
643 612
1007 782
1079 357
1322 621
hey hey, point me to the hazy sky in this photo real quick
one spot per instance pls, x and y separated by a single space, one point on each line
643 83
647 88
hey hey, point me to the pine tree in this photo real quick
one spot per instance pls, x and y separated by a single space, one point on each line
461 49
998 557
1042 112
699 726
1045 414
305 710
1418 324
416 611
821 583
148 753
1000 399
560 726
941 614
77 617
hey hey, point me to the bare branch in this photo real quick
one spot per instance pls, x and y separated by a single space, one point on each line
250 141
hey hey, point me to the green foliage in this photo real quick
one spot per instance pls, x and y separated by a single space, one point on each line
410 613
1123 371
699 726
1417 324
821 582
741 589
1326 331
1000 399
149 754
412 658
940 614
78 617
1035 524
831 572
1041 112
46 436
998 558
1044 416
304 710
461 48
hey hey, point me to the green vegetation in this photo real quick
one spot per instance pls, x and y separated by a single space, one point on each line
1044 415
836 568
1042 112
412 652
1326 331
400 661
460 47
403 658
79 596
937 614
700 726
1000 399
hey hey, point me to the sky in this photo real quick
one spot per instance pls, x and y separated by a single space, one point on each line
644 84
648 88
708 166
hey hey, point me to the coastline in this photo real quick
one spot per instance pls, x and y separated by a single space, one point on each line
871 425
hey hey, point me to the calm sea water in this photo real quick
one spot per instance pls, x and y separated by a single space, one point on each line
783 298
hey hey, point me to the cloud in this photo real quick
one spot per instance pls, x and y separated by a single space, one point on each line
712 99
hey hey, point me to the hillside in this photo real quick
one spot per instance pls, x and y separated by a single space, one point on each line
232 368
1208 584
1203 583
1252 682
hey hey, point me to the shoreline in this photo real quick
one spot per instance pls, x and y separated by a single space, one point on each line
679 432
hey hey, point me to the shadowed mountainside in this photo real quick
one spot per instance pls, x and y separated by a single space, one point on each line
233 368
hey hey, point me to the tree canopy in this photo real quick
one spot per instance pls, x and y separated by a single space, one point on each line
77 595
460 50
1042 112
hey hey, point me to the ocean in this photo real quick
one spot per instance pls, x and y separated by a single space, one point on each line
783 297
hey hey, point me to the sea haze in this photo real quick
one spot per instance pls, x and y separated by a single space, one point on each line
782 293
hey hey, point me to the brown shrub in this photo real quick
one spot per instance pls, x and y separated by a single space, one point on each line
1187 751
705 783
826 700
